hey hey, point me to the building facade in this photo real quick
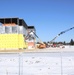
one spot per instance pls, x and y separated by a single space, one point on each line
12 33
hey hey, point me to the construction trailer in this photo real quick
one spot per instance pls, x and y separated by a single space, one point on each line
12 33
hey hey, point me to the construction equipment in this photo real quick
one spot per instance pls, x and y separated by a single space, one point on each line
61 34
32 35
41 44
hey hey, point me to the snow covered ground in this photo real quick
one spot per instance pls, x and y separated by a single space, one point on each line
54 62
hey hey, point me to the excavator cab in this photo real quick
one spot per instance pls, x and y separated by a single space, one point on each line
42 45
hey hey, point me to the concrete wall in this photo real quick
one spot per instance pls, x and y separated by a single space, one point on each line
56 63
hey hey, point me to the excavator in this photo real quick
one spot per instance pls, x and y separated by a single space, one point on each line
51 42
41 44
31 35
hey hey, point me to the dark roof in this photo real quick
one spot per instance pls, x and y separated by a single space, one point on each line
17 21
9 20
22 23
31 27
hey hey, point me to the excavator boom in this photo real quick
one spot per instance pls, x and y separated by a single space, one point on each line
61 34
31 35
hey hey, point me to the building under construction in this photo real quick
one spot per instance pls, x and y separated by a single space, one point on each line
13 32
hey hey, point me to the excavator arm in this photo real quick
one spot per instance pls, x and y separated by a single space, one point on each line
41 45
61 34
31 34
